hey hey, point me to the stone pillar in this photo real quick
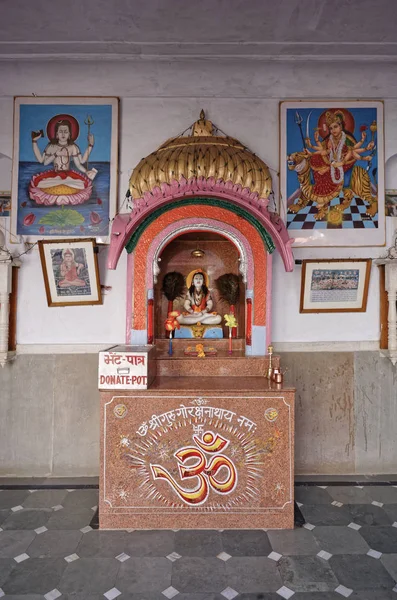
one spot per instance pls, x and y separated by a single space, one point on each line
391 288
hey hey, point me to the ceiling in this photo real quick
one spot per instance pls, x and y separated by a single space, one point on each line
283 29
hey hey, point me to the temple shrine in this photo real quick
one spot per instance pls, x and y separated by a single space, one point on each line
197 425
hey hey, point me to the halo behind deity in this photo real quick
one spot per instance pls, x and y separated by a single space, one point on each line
347 117
189 277
74 124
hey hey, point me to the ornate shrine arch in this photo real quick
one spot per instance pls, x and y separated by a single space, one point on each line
206 179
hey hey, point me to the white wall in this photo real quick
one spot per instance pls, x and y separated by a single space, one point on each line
159 100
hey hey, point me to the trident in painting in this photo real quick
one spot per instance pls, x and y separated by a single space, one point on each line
299 121
88 121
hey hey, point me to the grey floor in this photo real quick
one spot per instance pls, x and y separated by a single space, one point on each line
346 549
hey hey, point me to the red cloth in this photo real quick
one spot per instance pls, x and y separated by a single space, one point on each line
323 184
202 305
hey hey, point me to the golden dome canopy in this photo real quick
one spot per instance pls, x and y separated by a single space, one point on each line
201 154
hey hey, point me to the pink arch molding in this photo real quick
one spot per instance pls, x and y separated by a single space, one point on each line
125 224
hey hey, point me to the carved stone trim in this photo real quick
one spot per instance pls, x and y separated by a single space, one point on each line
125 224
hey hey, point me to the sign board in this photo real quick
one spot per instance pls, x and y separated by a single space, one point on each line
126 368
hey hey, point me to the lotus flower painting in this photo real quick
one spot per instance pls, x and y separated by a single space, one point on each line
65 151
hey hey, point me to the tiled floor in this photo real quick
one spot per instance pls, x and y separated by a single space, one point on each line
346 549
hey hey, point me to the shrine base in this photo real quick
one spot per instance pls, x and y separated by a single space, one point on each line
199 453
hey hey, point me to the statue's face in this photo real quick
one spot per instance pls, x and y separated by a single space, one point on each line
198 281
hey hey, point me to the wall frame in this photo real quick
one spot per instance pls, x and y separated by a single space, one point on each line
70 270
332 172
5 203
335 285
64 181
391 203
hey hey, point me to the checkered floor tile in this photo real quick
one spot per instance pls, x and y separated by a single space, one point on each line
346 547
354 217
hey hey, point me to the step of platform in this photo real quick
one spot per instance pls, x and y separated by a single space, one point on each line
220 344
222 365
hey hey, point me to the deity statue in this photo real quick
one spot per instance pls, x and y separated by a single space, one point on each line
198 302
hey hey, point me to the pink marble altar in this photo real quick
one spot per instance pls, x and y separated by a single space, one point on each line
198 453
210 443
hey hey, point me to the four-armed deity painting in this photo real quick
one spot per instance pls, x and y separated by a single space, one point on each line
332 185
65 152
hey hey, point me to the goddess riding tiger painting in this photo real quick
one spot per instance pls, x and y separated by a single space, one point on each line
332 168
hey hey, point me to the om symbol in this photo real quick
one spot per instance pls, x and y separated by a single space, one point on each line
205 470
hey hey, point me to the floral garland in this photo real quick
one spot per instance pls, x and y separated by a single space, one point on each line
335 156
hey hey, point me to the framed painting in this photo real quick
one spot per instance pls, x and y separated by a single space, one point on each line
391 203
70 269
339 285
332 172
64 181
5 204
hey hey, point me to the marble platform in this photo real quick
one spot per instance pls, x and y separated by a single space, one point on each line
198 453
223 364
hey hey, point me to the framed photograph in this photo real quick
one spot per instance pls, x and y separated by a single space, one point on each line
332 172
64 180
339 285
5 204
70 269
391 203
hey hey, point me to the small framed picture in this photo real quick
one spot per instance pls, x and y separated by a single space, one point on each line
339 285
70 269
391 203
5 204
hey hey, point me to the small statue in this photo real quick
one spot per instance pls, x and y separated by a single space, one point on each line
198 302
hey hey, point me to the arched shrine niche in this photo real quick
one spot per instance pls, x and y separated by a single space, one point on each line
205 251
254 265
